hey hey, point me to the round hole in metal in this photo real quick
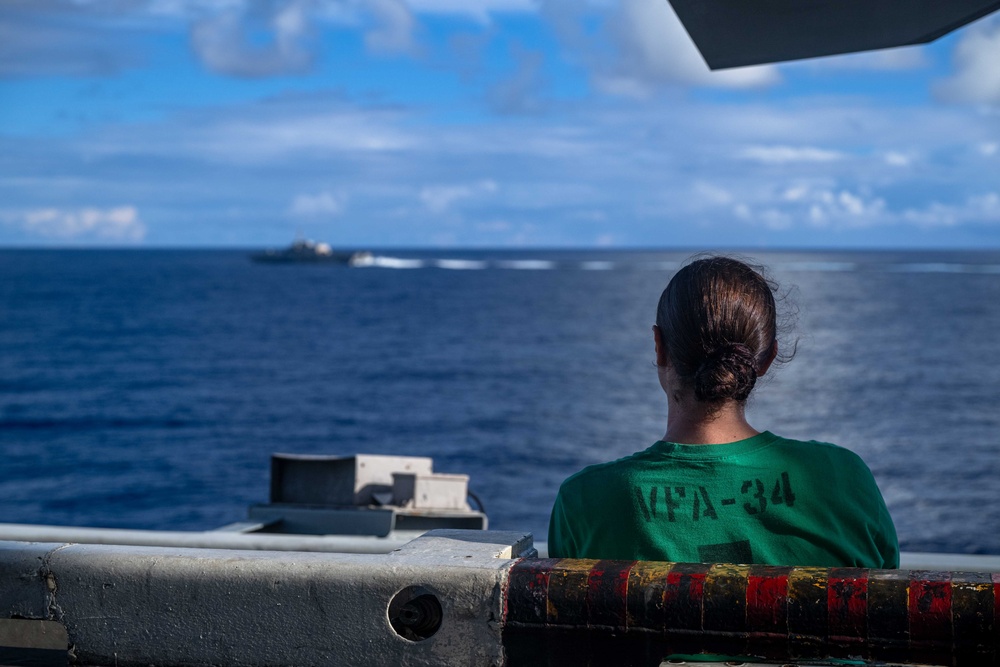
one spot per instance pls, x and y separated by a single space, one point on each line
415 613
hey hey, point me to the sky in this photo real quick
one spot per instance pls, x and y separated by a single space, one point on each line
478 123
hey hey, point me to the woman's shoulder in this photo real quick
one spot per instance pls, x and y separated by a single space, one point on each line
603 473
817 452
816 446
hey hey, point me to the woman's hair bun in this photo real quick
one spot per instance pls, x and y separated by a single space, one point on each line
728 372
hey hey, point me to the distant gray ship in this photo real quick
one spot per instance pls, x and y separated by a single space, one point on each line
310 252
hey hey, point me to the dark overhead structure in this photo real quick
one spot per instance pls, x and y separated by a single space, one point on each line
734 33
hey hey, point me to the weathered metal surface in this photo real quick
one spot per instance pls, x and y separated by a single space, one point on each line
908 560
209 539
562 611
435 601
734 33
974 617
888 592
458 598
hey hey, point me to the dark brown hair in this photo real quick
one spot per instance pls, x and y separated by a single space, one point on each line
718 320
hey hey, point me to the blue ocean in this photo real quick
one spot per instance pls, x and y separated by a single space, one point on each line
148 388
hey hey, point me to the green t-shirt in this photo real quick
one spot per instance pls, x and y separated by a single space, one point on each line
765 500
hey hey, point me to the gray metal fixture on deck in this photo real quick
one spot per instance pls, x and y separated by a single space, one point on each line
365 494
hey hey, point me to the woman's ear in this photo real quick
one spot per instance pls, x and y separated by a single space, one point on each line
662 358
771 354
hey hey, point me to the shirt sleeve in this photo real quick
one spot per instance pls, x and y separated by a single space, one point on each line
881 529
888 542
562 543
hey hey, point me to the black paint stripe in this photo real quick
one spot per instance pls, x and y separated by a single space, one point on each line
807 607
888 617
972 614
606 593
726 599
646 585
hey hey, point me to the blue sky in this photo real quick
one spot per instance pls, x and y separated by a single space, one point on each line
477 123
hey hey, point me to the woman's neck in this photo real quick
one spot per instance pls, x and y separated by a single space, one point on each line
689 422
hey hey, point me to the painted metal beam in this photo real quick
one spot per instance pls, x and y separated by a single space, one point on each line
562 611
735 33
435 601
210 539
458 597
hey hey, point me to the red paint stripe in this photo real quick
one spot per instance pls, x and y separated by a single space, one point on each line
996 598
527 591
947 621
683 598
996 611
621 581
767 604
847 605
688 585
607 589
930 608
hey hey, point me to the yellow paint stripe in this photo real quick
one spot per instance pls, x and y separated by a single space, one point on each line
649 579
568 590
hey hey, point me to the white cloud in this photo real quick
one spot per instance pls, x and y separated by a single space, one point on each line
394 27
660 172
811 204
795 193
227 34
634 47
440 198
263 38
268 132
479 10
830 208
240 42
318 205
711 194
187 8
655 49
897 159
844 208
776 219
787 154
521 91
989 148
976 209
311 133
986 206
977 76
120 224
854 205
493 226
253 39
49 37
897 59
